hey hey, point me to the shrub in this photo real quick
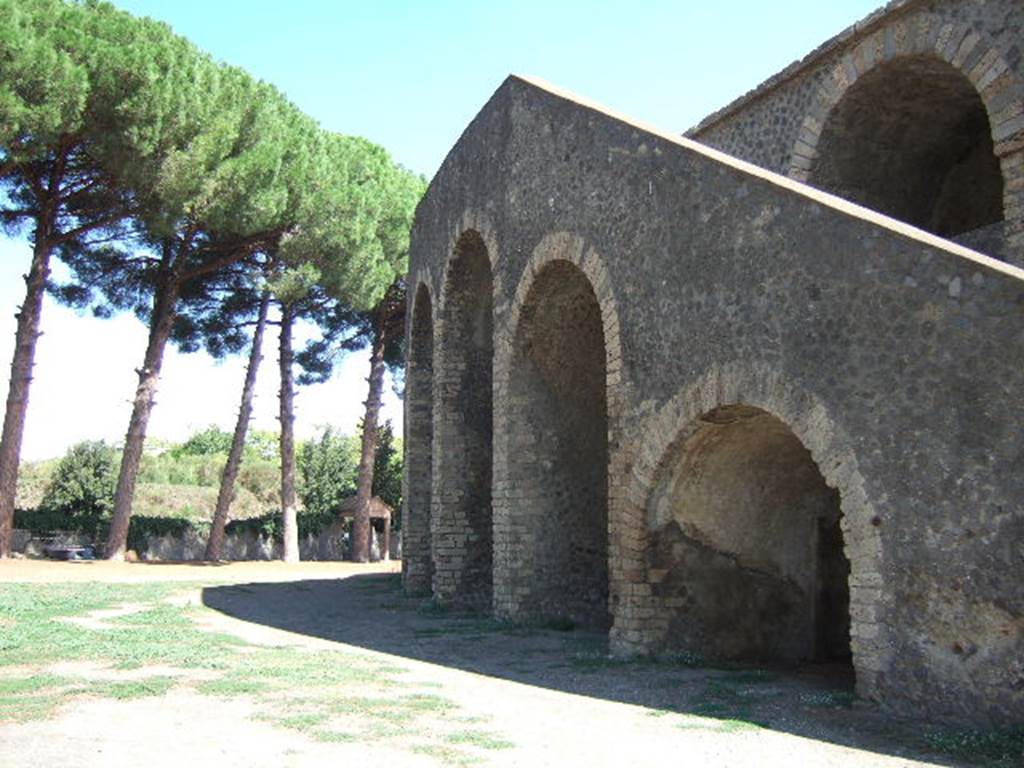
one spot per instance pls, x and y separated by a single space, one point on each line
310 524
387 468
327 466
211 441
82 488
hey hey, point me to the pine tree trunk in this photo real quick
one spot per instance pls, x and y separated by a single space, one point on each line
290 527
160 325
364 480
215 544
21 379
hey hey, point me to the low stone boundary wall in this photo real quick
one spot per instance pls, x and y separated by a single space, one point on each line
330 544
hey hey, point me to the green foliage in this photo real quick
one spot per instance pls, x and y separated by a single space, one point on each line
292 285
261 479
387 468
33 479
199 462
90 100
82 487
270 525
174 468
356 227
262 444
208 442
191 502
327 466
143 528
48 520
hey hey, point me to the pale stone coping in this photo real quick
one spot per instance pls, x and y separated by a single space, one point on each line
881 15
976 58
776 179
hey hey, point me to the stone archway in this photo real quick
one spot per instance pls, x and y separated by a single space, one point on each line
921 121
643 624
912 139
462 527
557 380
417 557
559 448
746 544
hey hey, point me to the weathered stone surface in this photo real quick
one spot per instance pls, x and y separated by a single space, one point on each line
888 363
917 112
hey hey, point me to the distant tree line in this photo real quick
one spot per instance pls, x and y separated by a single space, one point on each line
185 191
76 492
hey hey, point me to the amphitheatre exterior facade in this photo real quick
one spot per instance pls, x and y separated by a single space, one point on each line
687 390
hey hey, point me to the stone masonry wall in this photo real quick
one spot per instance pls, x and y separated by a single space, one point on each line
417 468
461 519
779 125
895 358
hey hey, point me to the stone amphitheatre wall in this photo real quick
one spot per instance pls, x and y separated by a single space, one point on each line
668 328
917 111
728 414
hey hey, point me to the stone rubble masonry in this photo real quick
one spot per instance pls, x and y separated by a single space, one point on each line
894 356
778 125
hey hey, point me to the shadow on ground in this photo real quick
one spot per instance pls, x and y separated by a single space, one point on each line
371 612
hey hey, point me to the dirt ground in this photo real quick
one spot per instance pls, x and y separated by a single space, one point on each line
553 697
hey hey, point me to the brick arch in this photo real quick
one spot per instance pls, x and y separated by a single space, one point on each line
472 222
965 50
461 517
566 246
638 625
555 248
417 466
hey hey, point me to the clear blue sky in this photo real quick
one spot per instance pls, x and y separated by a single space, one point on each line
409 76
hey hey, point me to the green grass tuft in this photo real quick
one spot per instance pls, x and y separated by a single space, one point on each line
479 739
132 689
30 684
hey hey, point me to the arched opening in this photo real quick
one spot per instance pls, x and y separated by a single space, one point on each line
912 139
463 538
558 451
746 544
417 558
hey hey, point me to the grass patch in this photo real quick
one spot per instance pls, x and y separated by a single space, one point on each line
333 737
596 661
232 686
132 689
725 699
303 722
161 634
30 684
480 739
591 655
312 688
446 755
23 709
990 748
470 627
718 726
